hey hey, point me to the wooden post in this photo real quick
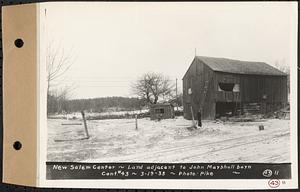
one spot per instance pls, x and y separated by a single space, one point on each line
193 119
176 97
136 123
261 127
85 126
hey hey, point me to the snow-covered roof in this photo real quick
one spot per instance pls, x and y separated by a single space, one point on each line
240 67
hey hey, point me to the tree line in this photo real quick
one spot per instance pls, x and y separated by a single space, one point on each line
103 104
60 105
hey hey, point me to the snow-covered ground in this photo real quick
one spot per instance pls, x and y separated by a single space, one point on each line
169 141
78 115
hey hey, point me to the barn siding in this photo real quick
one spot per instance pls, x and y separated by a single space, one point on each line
188 82
208 111
253 88
195 78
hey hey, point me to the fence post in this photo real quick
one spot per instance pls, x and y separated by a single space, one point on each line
85 126
136 123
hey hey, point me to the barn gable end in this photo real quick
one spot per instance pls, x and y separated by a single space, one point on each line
198 88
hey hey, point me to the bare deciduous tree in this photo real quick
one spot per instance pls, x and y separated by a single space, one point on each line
282 66
58 100
57 64
153 86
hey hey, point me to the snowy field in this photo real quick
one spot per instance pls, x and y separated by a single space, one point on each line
78 115
169 141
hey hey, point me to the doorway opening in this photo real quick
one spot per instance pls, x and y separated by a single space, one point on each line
227 109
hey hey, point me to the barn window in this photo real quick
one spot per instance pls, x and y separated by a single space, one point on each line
226 86
159 111
236 88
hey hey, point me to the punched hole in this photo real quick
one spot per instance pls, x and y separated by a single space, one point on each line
17 145
19 43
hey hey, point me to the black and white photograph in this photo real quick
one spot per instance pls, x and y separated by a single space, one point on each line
170 83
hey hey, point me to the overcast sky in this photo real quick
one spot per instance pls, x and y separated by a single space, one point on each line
114 43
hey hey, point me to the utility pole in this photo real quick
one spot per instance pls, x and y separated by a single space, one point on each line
176 95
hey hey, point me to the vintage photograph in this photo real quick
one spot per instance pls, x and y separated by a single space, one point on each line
168 82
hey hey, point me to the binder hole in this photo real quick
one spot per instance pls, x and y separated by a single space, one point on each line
19 43
17 145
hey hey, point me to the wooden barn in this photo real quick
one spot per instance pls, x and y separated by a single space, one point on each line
225 87
161 111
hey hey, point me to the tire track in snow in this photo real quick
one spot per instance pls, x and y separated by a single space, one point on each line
240 141
236 145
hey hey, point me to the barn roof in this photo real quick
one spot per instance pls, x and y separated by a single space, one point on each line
240 67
